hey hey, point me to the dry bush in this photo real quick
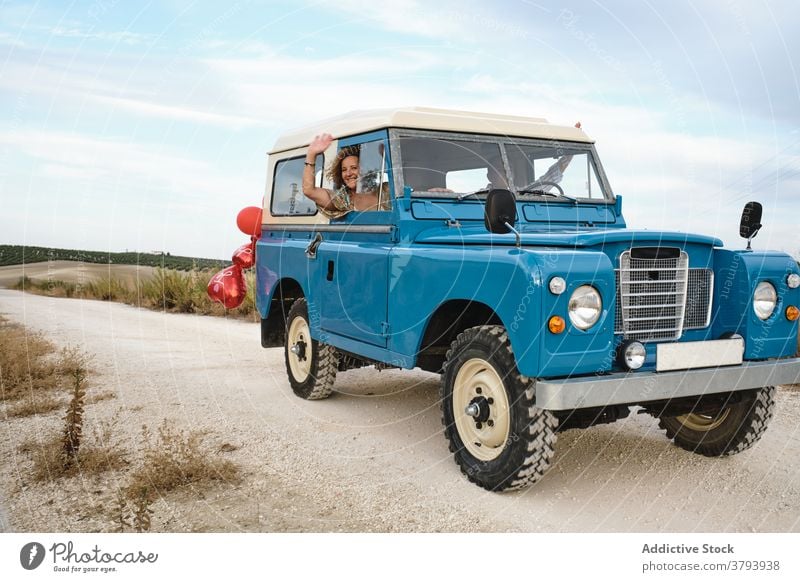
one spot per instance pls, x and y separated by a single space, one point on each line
142 512
174 291
46 455
121 513
27 365
109 289
31 370
178 458
53 288
97 456
166 290
75 365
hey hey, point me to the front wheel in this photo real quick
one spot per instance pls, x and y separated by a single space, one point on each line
731 429
496 434
311 365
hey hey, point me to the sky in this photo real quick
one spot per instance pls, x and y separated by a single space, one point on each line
145 126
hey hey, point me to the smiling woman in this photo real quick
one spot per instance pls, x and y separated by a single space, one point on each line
354 187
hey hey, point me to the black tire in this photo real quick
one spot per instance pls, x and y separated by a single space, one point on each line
481 365
733 429
312 371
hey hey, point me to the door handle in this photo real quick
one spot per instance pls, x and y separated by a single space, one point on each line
311 249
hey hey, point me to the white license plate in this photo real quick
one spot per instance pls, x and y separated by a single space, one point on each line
688 355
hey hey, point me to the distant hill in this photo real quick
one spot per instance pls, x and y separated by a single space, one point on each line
18 255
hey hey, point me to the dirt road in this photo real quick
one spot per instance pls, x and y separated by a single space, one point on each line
372 458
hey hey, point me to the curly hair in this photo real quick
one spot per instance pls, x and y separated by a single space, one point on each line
334 173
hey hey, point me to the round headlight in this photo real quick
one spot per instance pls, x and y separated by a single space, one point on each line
633 355
764 300
585 307
557 285
793 281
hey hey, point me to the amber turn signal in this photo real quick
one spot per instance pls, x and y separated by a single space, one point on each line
556 324
792 312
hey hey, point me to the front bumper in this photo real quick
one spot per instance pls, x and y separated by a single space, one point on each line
637 387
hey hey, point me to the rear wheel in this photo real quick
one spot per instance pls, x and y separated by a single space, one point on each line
497 435
311 365
730 430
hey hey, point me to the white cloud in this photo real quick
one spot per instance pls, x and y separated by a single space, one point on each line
406 16
296 91
173 112
140 166
176 90
119 36
440 20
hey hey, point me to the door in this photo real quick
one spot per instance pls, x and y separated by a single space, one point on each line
353 269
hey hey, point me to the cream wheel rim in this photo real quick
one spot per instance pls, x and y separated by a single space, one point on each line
298 344
703 422
477 384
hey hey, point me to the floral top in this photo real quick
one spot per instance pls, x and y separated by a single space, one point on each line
343 202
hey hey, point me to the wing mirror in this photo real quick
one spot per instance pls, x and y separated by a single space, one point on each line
500 213
751 221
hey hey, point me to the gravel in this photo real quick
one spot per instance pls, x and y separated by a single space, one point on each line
371 458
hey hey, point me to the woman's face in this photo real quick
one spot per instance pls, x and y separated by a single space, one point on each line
350 172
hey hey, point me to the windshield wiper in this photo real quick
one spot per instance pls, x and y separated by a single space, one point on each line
546 193
468 194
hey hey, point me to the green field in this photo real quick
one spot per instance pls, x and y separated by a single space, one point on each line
19 255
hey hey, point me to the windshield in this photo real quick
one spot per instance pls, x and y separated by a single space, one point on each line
553 171
460 165
451 165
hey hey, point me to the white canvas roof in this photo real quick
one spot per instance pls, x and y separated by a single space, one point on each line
357 122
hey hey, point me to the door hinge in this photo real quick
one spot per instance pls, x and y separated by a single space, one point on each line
385 328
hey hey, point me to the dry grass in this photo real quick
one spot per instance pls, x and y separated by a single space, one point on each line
32 371
177 458
33 404
165 290
37 379
27 363
99 455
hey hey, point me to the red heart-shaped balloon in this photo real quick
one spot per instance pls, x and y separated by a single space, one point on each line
228 287
245 255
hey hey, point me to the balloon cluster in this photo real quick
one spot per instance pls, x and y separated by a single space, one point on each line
228 286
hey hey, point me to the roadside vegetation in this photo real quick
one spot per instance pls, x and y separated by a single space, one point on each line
166 290
50 387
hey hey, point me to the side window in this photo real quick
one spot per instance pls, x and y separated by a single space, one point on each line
373 175
287 188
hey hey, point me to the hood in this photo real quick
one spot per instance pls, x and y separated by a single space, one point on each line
478 235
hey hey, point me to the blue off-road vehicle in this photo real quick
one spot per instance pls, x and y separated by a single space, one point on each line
501 260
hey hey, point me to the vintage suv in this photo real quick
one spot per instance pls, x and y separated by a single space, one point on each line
503 262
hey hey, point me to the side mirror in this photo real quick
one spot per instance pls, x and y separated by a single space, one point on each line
751 221
500 212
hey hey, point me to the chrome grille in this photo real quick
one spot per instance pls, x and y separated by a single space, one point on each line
651 294
698 299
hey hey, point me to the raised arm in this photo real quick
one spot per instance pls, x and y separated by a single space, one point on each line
320 196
